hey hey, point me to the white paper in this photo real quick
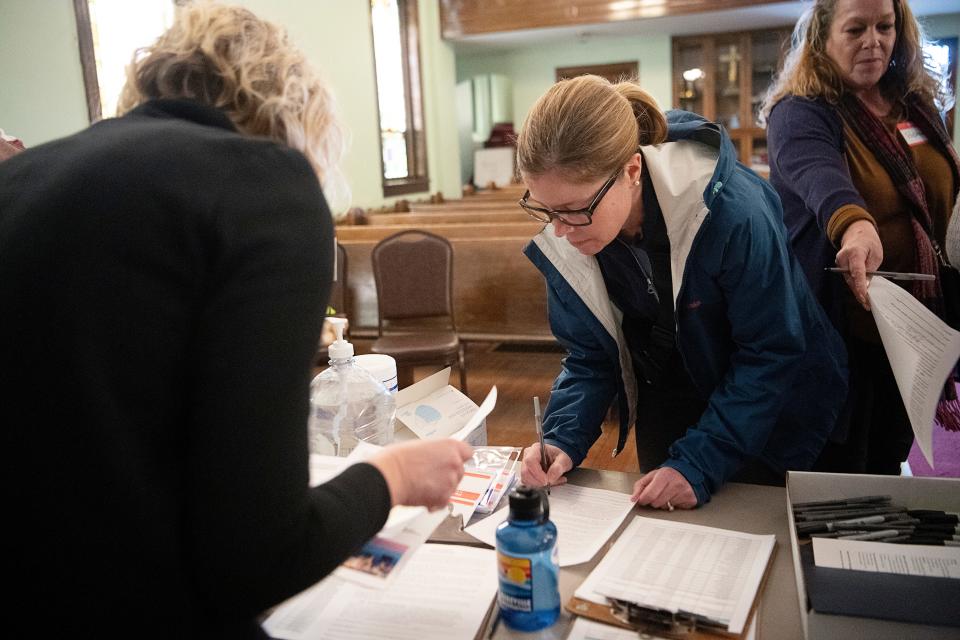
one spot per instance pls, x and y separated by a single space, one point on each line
493 165
382 558
324 468
444 593
482 412
677 566
585 519
922 351
432 408
439 415
586 629
884 557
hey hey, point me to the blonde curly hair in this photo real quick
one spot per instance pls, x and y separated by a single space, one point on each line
226 57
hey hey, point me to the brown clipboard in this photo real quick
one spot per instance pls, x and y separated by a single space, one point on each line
602 613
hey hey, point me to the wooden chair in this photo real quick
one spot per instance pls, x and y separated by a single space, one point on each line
338 300
413 272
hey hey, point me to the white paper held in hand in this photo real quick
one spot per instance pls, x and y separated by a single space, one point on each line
922 350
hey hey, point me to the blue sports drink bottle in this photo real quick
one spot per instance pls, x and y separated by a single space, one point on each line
527 562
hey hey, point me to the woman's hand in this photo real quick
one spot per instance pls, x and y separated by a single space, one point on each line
422 473
664 488
531 474
860 251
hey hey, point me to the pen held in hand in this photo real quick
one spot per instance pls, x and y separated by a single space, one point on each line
892 275
544 462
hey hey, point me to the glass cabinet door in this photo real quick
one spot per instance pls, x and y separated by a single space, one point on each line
689 83
728 76
766 48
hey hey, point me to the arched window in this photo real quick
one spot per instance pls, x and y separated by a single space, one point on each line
109 31
397 59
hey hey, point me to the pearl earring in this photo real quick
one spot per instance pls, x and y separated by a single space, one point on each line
637 183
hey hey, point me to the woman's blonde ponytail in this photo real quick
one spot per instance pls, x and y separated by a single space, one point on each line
651 123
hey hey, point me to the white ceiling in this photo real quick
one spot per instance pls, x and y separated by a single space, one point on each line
758 17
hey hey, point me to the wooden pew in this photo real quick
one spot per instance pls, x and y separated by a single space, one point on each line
449 230
498 294
463 205
512 192
453 216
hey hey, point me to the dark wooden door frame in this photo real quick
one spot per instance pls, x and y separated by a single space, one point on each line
613 71
88 59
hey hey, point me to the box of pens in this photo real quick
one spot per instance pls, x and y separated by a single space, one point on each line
876 556
877 518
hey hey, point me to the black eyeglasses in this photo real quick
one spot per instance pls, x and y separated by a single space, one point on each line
574 217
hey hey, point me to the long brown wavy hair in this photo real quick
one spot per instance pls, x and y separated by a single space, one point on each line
808 71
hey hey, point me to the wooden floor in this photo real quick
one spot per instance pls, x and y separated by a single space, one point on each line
521 372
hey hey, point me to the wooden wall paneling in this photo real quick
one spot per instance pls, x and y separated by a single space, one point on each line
460 18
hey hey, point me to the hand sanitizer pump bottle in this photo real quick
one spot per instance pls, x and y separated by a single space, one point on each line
347 404
527 562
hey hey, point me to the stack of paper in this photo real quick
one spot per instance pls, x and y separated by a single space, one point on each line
679 567
444 592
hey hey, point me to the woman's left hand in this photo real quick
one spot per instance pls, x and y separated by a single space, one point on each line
664 488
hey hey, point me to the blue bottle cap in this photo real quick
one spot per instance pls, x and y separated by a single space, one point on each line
529 503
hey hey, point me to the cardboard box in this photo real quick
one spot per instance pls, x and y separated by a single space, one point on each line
915 493
432 408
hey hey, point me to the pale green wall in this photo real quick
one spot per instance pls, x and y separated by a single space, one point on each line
439 69
501 98
336 37
42 95
41 84
532 69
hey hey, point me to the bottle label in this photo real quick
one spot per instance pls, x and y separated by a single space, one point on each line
516 582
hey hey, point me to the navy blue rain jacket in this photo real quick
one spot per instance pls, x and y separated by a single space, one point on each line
753 338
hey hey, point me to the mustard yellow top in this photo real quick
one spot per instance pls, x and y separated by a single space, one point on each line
889 211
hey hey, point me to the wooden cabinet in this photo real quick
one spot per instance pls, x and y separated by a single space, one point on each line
724 77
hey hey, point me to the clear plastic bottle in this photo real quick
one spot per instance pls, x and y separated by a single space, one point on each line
347 404
528 563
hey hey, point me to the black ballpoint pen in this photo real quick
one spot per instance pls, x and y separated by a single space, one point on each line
832 516
800 506
496 618
893 275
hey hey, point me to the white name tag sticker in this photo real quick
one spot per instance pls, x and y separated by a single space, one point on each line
911 133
